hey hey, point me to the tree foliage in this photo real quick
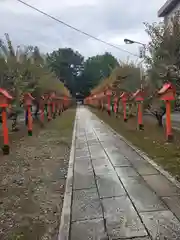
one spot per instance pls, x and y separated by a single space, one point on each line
125 77
24 69
96 69
80 76
163 61
67 65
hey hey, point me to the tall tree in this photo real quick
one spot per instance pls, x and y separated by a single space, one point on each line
163 61
96 68
67 64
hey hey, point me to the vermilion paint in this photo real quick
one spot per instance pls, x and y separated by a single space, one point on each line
42 114
29 121
124 111
140 116
53 107
168 120
109 103
49 112
115 104
65 102
5 128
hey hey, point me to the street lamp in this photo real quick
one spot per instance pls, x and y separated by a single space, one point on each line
142 52
142 49
129 41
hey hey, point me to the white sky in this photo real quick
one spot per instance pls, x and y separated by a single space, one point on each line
110 20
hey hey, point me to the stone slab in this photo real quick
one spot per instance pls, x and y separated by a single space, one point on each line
88 230
109 186
162 225
86 205
97 152
85 148
161 185
82 153
173 204
99 161
82 164
122 220
117 159
109 147
130 153
80 145
103 171
144 168
124 172
84 181
94 143
142 196
139 238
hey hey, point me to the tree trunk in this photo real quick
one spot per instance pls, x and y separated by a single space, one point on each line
36 111
159 118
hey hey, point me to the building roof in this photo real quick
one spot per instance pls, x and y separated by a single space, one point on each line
167 7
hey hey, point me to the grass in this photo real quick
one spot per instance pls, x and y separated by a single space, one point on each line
152 140
32 181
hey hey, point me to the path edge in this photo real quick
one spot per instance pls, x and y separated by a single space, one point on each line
66 210
143 155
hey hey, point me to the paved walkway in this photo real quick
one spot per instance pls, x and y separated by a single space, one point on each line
116 193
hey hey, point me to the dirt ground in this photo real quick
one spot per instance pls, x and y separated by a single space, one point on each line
152 140
32 182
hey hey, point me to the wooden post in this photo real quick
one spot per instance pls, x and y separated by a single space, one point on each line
42 106
124 111
64 103
53 110
124 97
49 112
167 94
53 102
138 96
102 105
115 105
5 132
108 94
28 99
109 104
5 99
169 135
29 121
140 116
42 115
49 108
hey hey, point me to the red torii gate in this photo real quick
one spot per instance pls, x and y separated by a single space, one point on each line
5 99
167 94
138 97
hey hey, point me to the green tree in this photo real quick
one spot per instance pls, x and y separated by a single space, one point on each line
96 68
25 70
163 61
67 64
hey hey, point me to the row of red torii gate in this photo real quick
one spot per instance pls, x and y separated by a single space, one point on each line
53 103
104 98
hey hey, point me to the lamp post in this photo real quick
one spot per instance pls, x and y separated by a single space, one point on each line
141 55
129 41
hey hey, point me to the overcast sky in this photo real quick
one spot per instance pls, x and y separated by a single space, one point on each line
110 20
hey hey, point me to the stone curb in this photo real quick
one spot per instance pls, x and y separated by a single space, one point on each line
144 155
66 210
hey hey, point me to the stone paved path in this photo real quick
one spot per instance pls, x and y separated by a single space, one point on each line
116 193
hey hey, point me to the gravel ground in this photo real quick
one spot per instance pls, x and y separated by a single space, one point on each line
32 182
